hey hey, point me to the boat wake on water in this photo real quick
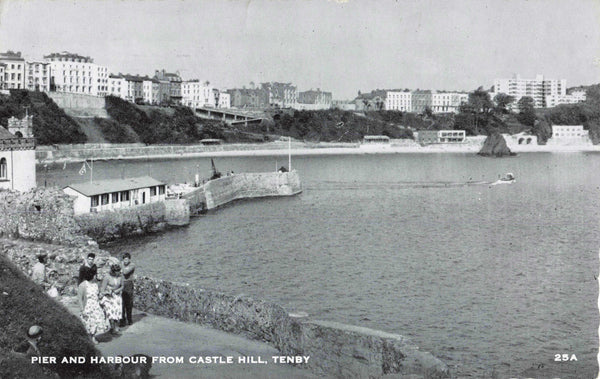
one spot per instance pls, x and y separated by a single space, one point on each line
329 186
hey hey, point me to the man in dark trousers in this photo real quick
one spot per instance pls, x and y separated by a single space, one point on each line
127 268
88 265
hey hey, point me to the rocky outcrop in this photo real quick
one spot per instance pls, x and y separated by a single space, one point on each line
495 146
62 262
42 214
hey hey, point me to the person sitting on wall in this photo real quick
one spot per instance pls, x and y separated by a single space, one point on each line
88 266
283 169
38 272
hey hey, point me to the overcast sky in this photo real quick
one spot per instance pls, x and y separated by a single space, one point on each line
342 46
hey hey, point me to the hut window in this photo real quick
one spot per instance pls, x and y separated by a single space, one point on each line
104 198
124 195
95 200
161 190
152 191
115 197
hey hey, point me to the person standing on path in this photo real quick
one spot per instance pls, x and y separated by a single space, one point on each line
91 313
111 301
127 269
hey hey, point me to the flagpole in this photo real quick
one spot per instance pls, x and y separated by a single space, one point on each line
92 171
290 153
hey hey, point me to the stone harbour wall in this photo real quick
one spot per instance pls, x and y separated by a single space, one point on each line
250 185
336 350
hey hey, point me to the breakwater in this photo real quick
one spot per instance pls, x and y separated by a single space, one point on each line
224 190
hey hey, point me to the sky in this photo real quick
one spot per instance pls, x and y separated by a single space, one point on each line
336 46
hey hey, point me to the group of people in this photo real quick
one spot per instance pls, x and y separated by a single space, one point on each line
108 306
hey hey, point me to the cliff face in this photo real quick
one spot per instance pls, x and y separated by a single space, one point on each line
495 146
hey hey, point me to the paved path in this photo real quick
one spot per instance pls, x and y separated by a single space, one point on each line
162 337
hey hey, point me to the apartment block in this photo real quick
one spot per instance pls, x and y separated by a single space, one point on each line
539 89
283 95
316 99
37 76
174 84
14 70
398 100
572 98
196 94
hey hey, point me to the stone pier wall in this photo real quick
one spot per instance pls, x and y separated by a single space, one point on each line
336 350
250 185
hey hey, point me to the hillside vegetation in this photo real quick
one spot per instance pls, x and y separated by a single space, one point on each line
23 304
50 123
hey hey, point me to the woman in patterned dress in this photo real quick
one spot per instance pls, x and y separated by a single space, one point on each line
111 301
91 313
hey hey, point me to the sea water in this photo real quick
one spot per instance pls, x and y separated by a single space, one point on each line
493 280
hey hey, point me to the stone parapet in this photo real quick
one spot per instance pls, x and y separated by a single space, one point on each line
336 350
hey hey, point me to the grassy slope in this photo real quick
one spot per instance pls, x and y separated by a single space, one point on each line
22 304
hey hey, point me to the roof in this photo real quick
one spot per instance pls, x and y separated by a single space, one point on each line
5 134
114 185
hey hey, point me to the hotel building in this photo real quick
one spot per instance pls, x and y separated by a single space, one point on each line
196 94
77 74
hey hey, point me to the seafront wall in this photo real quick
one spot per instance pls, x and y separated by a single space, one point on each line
335 349
250 185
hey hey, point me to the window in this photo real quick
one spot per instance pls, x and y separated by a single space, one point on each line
124 195
95 200
3 170
104 198
152 191
161 190
115 197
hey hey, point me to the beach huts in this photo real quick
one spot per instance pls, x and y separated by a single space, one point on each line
103 195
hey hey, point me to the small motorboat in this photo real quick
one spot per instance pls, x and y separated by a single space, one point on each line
508 178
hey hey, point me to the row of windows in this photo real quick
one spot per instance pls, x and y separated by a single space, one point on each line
122 196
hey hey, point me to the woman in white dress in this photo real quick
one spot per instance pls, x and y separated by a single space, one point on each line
111 300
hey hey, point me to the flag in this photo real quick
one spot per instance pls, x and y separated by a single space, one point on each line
82 171
65 165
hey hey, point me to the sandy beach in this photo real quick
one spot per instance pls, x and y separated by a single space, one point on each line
472 146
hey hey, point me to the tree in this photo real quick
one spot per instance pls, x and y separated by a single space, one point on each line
502 101
526 114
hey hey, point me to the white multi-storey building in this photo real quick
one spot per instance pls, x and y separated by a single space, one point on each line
14 71
37 76
538 89
448 102
568 135
77 74
572 98
196 94
398 101
117 86
151 90
224 100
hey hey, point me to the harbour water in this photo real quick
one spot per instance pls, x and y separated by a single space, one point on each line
494 280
